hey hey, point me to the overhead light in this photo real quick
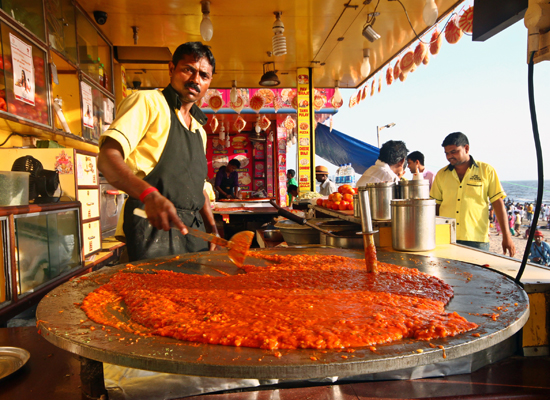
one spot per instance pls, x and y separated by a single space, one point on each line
368 31
279 40
337 95
365 65
370 34
207 29
269 78
430 12
233 92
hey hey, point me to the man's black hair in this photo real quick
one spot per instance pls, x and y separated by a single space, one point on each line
291 172
195 49
292 188
392 152
235 162
416 156
455 139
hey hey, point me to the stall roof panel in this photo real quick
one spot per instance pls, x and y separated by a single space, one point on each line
322 34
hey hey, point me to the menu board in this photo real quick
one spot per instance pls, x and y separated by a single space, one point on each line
269 168
217 155
304 131
281 166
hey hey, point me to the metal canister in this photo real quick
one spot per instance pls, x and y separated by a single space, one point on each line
415 189
413 224
380 194
356 209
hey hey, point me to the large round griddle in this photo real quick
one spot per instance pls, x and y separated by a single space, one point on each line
477 291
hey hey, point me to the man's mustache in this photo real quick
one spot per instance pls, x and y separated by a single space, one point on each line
193 86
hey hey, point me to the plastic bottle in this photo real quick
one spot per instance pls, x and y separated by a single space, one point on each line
105 79
100 71
337 177
351 173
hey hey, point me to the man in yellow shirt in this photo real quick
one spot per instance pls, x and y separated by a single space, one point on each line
464 189
155 152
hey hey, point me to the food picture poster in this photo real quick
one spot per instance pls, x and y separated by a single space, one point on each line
23 70
217 155
87 106
281 165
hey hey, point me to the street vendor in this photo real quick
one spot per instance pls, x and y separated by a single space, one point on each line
227 180
326 186
389 166
464 189
155 152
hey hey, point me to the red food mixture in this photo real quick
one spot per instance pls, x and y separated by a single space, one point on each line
319 302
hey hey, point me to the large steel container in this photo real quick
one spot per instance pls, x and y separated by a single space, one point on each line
413 224
415 189
349 239
380 195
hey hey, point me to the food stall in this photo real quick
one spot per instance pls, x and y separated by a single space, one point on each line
91 59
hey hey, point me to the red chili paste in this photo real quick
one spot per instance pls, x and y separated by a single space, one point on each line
301 301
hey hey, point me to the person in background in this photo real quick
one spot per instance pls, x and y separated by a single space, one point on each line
540 250
390 164
292 191
464 189
155 150
415 163
326 186
227 180
530 212
517 222
511 222
290 180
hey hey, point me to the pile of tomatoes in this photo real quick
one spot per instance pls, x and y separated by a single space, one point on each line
341 200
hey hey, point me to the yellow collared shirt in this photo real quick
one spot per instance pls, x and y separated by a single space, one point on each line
468 201
141 127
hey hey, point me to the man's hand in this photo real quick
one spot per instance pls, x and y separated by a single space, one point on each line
162 213
508 244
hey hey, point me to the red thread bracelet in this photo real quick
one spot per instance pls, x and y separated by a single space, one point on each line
146 192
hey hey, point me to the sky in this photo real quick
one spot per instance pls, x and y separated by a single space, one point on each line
478 88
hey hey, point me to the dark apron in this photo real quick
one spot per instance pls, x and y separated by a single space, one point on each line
227 184
179 176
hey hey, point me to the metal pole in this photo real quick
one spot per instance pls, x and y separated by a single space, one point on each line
378 135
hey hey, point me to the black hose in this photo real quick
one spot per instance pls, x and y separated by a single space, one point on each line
540 168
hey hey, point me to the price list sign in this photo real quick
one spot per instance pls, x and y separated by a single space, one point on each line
304 131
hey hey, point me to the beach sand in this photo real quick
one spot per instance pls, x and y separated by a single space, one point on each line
519 242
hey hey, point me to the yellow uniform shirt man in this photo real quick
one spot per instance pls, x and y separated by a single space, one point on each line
463 191
142 121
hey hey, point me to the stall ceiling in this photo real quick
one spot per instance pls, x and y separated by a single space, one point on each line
322 34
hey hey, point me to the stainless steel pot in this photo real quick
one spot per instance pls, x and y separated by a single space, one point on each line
294 233
273 235
380 194
415 189
335 226
356 209
413 224
344 239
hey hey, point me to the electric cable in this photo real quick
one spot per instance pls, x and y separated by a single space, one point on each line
540 170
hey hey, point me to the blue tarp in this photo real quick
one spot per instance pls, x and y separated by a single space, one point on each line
338 148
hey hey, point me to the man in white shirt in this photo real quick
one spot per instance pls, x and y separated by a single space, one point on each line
415 162
390 164
326 185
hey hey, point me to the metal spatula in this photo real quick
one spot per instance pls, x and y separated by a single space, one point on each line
237 246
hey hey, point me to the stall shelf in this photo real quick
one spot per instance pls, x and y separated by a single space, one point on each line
42 247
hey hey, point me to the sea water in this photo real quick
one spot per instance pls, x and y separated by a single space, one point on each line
525 191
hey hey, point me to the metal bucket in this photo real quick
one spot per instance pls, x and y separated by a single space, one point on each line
336 226
356 209
415 189
413 224
381 195
344 239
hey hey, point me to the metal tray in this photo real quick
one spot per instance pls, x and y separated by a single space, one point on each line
477 290
11 359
